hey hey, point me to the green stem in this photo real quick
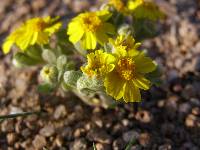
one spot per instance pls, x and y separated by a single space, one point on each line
92 101
104 100
23 114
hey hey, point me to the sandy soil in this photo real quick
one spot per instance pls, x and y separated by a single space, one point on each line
169 117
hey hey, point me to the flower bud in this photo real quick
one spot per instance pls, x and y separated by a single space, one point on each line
125 29
105 6
49 74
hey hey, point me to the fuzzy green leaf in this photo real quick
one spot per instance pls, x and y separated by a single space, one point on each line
34 52
89 85
45 88
71 77
21 60
49 56
61 62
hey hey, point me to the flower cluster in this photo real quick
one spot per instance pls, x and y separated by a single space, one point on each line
96 56
123 70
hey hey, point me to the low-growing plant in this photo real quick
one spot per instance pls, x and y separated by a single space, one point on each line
96 56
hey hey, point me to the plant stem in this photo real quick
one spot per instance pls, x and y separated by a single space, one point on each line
23 114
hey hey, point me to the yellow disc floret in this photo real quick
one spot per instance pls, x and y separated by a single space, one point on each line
126 68
91 22
37 24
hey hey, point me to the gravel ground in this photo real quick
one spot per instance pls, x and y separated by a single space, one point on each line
168 119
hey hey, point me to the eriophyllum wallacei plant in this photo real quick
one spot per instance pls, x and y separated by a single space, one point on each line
97 55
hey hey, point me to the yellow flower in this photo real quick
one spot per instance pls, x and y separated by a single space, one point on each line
124 42
33 31
119 5
133 4
99 64
128 76
143 9
90 28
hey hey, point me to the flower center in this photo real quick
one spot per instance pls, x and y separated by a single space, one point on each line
97 64
38 25
126 68
46 71
91 22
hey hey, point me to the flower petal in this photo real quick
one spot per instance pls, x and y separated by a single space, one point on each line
75 31
42 38
141 82
76 36
34 38
104 15
144 64
89 41
73 27
131 93
114 85
52 29
7 46
24 41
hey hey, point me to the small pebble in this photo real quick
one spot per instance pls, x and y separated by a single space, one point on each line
99 135
165 147
184 108
11 137
118 144
190 120
7 126
144 139
143 116
79 144
39 142
196 111
79 132
47 131
130 135
60 112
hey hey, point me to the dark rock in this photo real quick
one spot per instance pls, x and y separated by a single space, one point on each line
79 144
144 139
118 144
184 108
47 131
165 147
99 135
130 135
